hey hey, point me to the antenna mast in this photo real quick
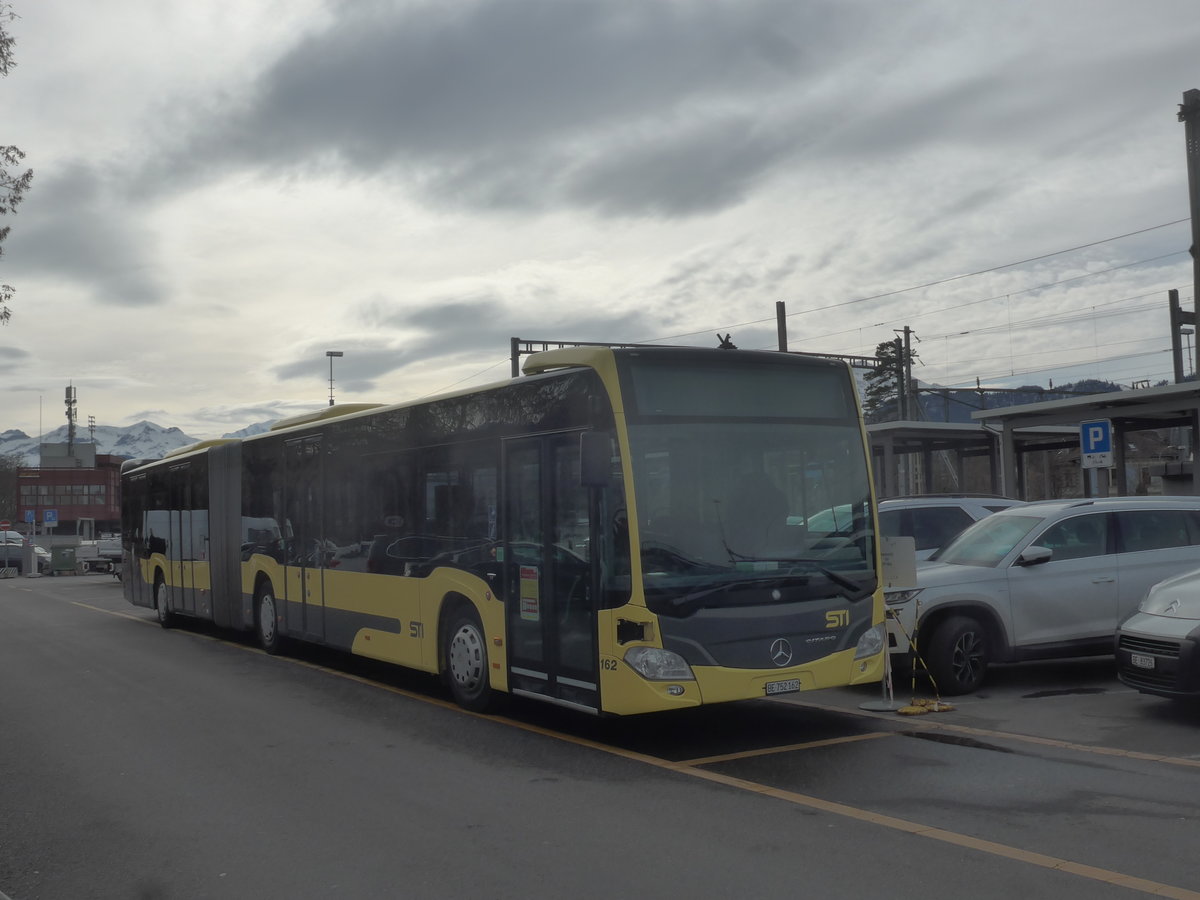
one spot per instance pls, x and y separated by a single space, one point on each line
70 402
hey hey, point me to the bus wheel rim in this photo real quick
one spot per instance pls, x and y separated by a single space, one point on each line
466 655
266 618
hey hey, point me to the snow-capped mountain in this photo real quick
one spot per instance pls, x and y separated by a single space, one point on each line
250 430
143 440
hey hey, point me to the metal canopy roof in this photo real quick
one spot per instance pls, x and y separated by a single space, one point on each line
1168 401
1167 406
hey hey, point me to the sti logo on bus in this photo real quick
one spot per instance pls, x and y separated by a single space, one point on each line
837 618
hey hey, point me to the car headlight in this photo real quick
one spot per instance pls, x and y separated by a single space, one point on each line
895 598
871 641
654 664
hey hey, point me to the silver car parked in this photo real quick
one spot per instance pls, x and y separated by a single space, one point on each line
1043 580
1158 647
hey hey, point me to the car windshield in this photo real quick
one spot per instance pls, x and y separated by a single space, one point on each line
988 541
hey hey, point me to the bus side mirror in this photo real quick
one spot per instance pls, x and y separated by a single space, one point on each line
595 459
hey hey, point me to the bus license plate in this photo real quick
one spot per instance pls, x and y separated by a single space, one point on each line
783 687
1141 660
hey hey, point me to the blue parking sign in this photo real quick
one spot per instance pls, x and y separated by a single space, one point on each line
1095 444
30 516
50 517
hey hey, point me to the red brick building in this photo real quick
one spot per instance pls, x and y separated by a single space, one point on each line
81 490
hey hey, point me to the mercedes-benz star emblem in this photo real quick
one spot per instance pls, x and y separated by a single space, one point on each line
781 652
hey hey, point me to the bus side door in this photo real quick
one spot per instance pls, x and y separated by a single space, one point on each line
306 555
547 572
182 577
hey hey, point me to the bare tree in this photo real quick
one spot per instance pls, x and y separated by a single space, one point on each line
13 182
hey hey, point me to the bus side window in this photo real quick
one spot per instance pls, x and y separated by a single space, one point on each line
384 486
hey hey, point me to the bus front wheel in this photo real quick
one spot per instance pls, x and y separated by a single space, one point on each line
266 616
465 653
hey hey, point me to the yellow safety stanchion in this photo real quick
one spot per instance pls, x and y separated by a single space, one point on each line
922 706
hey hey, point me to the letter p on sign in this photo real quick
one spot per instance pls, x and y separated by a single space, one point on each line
1095 444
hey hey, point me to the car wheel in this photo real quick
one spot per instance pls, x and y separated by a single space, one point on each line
465 653
957 655
162 603
266 615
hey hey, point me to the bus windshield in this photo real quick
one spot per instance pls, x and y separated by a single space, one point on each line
764 499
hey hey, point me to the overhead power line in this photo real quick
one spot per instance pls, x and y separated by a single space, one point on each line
941 281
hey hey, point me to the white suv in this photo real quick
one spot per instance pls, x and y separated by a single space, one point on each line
1043 580
933 520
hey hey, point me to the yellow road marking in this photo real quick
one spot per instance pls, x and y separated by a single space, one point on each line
786 748
1018 854
934 725
690 768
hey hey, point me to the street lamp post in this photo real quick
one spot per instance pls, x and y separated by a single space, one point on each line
331 354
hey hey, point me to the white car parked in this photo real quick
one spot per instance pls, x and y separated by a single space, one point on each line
1158 647
933 520
1043 580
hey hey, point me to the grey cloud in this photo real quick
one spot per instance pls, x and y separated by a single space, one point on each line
73 226
244 413
13 355
621 107
1042 99
446 78
13 360
150 415
449 313
723 277
484 324
695 170
358 369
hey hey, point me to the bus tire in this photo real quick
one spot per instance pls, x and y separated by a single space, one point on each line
466 659
958 655
162 602
266 619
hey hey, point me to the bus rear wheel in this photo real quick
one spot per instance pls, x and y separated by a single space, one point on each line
162 603
266 619
465 652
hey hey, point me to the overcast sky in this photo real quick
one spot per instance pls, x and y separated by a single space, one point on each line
224 191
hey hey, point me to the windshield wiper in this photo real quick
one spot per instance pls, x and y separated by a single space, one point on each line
857 589
686 604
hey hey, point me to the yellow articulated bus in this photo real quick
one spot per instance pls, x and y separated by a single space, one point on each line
618 531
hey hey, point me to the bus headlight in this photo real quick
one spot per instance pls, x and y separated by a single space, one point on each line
654 664
871 642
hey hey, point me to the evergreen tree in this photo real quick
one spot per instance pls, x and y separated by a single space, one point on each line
883 382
